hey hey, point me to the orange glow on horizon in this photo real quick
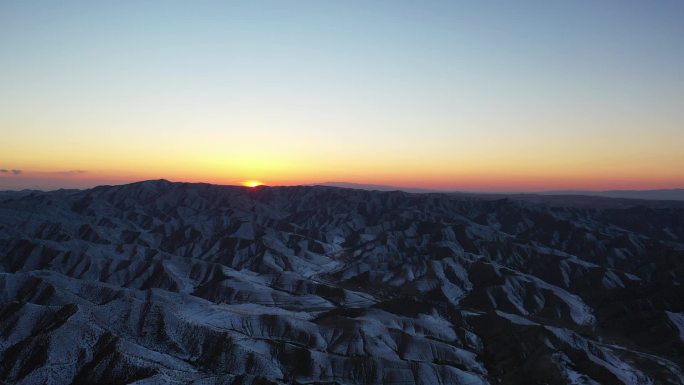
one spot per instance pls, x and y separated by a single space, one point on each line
252 183
479 179
447 171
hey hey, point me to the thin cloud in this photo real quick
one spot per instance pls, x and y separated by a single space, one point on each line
42 173
69 172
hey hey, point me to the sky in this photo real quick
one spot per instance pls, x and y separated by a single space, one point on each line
453 95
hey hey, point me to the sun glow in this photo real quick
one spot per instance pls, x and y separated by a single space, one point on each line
252 183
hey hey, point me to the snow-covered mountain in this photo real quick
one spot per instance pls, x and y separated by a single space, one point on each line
159 282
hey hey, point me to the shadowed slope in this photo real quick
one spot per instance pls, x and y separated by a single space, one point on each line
178 283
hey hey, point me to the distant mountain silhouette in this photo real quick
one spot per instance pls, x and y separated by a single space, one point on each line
660 194
676 194
377 187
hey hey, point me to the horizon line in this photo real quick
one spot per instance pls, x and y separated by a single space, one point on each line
364 186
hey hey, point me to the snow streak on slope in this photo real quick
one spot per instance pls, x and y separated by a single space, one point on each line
159 282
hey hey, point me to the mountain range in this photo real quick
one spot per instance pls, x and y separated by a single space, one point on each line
659 194
179 283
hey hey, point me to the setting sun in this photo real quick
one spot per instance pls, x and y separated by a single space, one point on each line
252 183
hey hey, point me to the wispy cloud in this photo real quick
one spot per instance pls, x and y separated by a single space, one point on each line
30 173
69 172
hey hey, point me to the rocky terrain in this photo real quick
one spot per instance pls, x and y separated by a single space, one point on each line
175 283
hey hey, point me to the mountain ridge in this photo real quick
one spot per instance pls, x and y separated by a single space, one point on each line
167 282
674 194
647 194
